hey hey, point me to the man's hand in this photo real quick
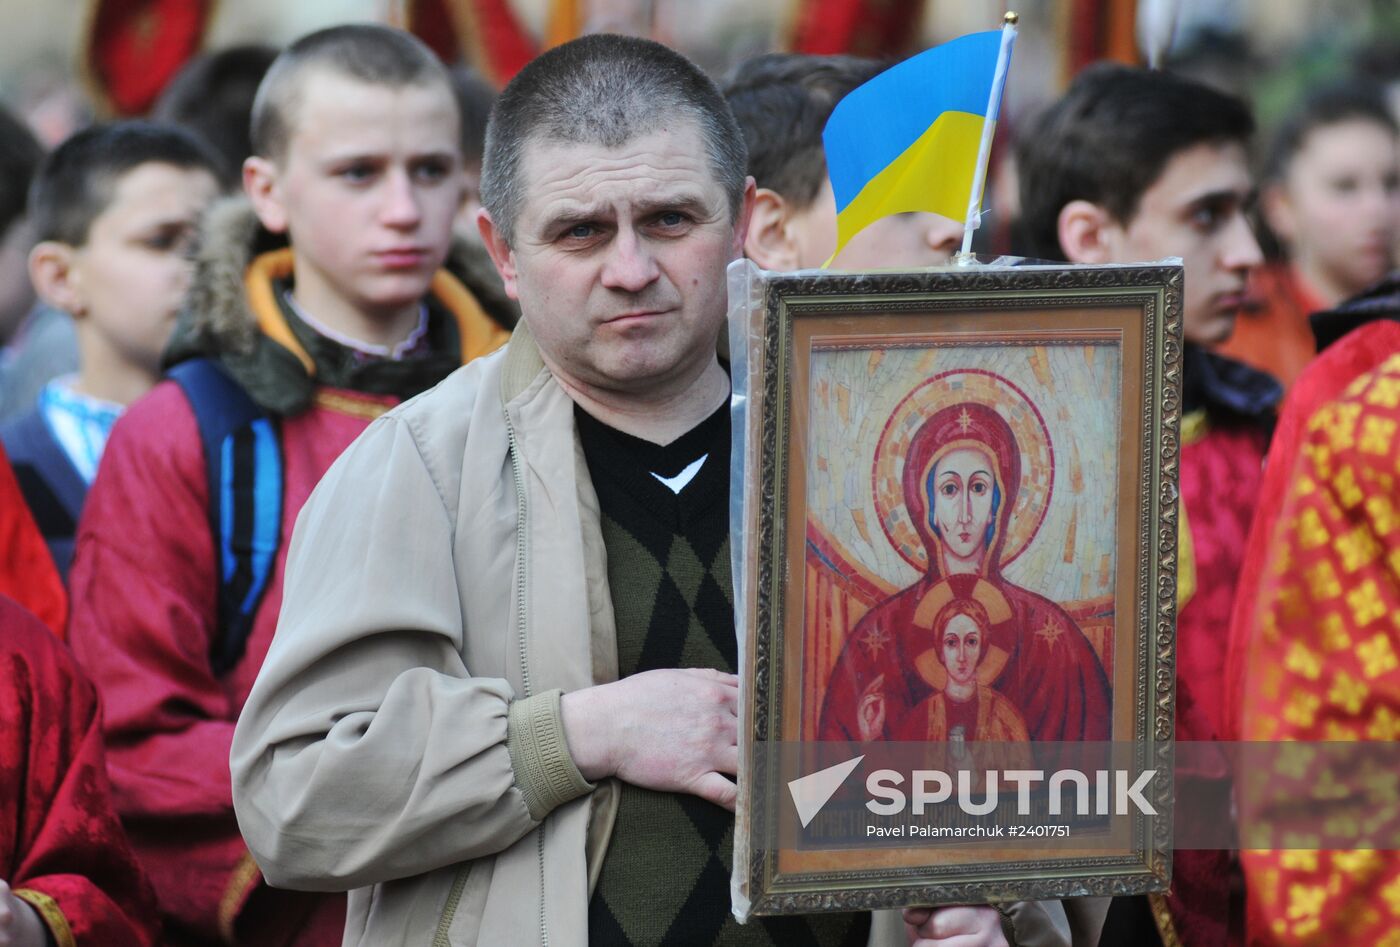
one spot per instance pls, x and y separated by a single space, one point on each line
668 730
20 925
978 926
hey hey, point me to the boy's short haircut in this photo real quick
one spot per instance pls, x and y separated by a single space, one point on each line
1324 107
212 96
20 156
475 96
782 102
76 182
607 90
1107 141
378 55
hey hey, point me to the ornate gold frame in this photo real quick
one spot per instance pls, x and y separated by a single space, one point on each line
767 309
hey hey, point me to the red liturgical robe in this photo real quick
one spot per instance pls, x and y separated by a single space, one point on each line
62 848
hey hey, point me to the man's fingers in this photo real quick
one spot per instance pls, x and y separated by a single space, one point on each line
915 917
728 761
717 789
960 926
959 940
719 677
951 921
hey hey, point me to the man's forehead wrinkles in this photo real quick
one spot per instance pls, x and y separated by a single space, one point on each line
559 176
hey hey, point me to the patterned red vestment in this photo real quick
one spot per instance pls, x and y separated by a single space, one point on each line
1322 665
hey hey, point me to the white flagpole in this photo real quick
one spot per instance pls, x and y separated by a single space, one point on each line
984 150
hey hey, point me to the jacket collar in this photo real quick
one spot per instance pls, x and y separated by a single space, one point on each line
523 363
221 314
477 333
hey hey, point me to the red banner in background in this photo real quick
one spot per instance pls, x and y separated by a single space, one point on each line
1091 30
485 33
876 28
132 48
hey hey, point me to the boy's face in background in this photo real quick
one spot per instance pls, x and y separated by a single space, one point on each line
901 240
367 189
131 275
1338 207
1196 209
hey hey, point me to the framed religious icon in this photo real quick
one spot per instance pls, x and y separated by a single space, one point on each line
955 531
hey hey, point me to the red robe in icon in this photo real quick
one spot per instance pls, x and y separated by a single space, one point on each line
1038 658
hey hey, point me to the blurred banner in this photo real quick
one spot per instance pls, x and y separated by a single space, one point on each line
132 48
1090 30
484 33
877 28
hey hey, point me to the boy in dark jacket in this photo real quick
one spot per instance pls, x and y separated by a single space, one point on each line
1133 166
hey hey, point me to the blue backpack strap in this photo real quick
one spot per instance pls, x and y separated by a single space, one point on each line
243 462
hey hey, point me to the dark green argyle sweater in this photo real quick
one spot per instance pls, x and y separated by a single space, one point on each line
665 879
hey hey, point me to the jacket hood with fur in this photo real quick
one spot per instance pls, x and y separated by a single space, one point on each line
218 322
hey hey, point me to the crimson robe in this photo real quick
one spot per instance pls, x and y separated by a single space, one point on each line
27 571
62 848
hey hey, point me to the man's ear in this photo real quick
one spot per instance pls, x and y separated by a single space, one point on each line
260 183
1087 232
771 242
500 251
744 221
56 278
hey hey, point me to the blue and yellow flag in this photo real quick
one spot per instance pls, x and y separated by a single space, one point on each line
909 139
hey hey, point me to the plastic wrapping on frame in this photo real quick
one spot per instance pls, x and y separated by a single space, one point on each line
745 340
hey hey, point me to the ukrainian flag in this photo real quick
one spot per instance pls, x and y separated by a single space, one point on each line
909 139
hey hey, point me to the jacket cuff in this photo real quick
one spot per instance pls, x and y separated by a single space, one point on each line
55 923
539 754
241 884
1008 923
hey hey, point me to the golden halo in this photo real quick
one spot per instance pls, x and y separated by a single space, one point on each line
952 387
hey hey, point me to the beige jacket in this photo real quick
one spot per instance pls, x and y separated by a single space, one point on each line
445 582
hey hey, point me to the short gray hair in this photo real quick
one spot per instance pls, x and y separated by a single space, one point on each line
604 90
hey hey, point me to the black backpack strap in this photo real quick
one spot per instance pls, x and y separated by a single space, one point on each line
243 463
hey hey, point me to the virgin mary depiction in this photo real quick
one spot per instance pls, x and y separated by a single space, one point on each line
960 480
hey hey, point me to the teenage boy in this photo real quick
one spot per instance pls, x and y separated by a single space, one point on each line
115 209
1134 165
178 572
782 102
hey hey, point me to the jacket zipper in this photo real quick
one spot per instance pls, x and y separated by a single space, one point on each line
521 552
454 896
449 910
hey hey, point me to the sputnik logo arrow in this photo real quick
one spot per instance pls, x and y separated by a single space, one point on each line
811 792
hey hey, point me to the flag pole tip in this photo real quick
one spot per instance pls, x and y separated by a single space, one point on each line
1011 19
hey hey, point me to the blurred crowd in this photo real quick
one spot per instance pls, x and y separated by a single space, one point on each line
203 308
